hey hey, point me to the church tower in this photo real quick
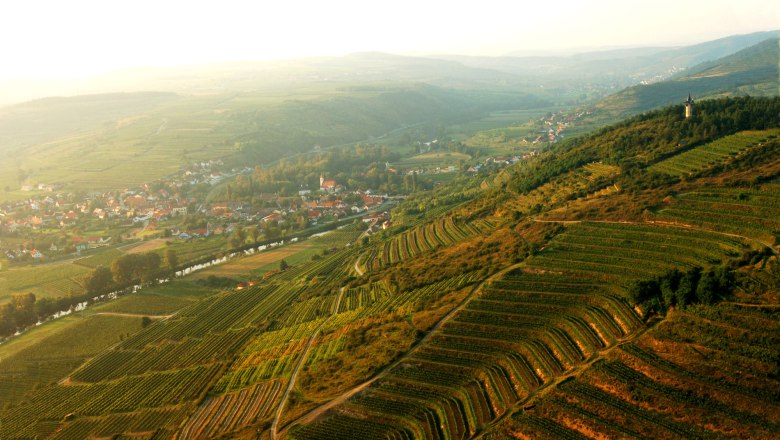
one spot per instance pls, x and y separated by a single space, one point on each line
689 107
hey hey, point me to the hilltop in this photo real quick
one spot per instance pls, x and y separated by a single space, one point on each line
620 284
750 71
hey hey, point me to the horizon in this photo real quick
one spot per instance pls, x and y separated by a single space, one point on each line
86 38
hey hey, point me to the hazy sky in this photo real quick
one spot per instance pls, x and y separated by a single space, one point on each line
43 38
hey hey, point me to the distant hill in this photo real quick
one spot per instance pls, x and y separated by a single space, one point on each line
751 71
49 118
109 141
619 66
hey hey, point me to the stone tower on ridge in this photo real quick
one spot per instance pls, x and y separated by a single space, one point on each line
690 108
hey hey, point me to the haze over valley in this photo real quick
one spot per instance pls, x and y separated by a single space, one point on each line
423 221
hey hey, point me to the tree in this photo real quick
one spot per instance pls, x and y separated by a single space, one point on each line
123 268
171 260
254 233
283 265
686 290
669 284
149 267
707 289
24 310
238 238
642 291
98 281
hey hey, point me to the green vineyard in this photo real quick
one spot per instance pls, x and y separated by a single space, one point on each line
752 212
421 239
706 155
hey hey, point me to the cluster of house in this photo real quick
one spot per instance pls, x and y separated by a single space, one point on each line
325 204
65 210
552 126
149 204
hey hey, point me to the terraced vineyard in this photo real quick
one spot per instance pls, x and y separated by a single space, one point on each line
619 253
753 212
708 361
573 184
706 155
423 238
520 333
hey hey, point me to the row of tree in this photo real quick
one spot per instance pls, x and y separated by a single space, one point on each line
130 269
25 310
680 289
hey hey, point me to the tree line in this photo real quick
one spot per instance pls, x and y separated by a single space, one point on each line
680 289
25 310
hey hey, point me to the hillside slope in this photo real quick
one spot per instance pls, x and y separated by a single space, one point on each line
619 285
751 71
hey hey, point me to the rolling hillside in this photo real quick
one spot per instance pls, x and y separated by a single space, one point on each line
613 286
751 71
83 145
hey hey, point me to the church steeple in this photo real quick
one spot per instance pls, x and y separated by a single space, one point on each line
689 107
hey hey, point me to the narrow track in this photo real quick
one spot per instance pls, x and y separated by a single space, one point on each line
299 365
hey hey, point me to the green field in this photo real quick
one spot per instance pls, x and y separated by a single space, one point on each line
751 212
50 353
49 280
706 155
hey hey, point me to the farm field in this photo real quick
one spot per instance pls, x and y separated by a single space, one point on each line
145 246
709 154
56 280
619 253
420 239
700 365
433 159
210 355
101 258
752 212
241 267
158 300
53 353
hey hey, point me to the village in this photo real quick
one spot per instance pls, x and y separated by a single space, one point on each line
60 224
53 224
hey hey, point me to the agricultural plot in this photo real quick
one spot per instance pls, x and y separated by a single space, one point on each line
706 155
751 212
433 159
212 362
692 377
519 334
52 280
619 253
576 183
196 249
53 356
145 246
238 268
101 258
168 366
228 412
423 238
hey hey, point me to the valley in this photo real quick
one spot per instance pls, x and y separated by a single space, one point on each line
398 259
